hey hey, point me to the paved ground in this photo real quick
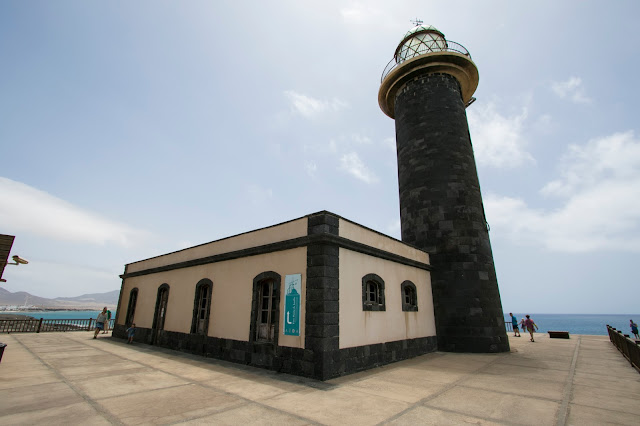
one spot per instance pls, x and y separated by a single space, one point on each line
69 378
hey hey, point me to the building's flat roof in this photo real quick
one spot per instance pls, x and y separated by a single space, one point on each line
283 236
273 226
69 378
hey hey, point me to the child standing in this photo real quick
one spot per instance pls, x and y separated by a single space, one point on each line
130 332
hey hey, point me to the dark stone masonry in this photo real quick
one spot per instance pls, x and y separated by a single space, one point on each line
442 213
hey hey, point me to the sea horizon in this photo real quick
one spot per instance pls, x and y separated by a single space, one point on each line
588 324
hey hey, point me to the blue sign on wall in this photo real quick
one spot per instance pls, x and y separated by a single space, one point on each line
293 286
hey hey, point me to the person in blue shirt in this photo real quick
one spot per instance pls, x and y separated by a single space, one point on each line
514 322
634 328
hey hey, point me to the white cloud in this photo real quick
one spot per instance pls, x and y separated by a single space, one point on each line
613 158
359 13
53 279
352 164
310 107
544 123
258 194
390 143
311 168
31 210
360 139
600 211
571 89
498 141
394 229
183 244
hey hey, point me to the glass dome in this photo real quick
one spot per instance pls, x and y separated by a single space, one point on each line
420 40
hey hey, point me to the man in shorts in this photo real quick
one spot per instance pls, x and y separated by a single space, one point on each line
514 323
100 320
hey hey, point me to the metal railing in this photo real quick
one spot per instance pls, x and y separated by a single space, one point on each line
452 46
508 325
29 325
627 346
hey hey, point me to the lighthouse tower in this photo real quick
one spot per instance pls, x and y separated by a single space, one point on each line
426 88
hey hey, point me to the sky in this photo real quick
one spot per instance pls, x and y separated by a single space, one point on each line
133 129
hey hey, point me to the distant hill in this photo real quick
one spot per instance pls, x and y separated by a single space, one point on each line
90 301
108 298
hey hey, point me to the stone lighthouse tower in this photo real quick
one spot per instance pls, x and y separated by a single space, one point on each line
426 88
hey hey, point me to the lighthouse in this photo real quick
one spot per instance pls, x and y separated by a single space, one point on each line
426 88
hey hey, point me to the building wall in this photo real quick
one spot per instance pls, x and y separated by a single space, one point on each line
358 233
359 327
332 255
230 313
284 231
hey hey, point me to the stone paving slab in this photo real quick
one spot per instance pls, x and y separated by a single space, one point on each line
341 405
63 415
35 397
513 385
250 414
503 407
615 400
430 416
393 391
70 378
127 383
169 405
583 415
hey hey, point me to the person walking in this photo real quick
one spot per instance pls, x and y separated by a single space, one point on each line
529 324
514 323
634 328
107 323
102 317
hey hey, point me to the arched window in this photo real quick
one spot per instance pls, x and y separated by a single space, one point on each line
201 307
161 307
265 308
409 296
131 309
373 293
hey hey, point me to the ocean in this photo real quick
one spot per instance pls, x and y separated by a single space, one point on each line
579 323
573 323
